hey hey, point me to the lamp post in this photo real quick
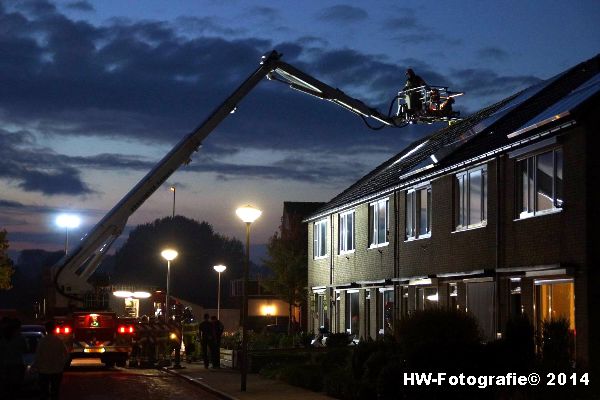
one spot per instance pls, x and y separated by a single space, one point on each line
248 214
172 189
169 255
219 269
67 221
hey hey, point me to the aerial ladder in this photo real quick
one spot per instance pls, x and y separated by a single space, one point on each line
72 272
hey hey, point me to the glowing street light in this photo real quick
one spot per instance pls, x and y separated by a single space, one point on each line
219 269
169 255
67 221
172 189
248 214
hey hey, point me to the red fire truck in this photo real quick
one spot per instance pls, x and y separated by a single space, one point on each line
97 335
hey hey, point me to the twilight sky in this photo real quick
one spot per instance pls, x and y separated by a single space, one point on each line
93 94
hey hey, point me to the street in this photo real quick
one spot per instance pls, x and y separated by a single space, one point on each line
92 381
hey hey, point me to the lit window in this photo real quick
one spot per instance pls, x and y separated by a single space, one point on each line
386 311
322 311
320 239
471 198
555 299
418 213
352 316
346 232
539 183
378 223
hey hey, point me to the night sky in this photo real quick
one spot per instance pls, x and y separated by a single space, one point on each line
93 94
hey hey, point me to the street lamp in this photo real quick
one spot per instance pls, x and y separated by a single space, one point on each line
169 255
248 214
219 269
172 189
67 221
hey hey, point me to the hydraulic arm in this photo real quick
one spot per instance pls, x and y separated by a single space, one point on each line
72 272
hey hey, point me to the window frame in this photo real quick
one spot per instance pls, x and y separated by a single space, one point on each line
532 189
374 223
343 232
462 208
415 212
318 238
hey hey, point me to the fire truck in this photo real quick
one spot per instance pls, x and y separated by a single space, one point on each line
95 332
98 334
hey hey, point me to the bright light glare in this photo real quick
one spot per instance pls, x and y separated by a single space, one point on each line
268 310
141 295
220 268
122 293
248 213
68 221
169 254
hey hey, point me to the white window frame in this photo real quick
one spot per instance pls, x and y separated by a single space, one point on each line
374 223
415 212
463 198
344 232
318 238
533 208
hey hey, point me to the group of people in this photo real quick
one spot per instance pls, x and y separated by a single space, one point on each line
211 330
414 86
51 356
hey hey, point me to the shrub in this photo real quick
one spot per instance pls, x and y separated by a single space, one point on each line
439 340
557 343
338 340
306 376
520 344
340 383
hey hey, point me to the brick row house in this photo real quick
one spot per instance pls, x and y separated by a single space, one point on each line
492 215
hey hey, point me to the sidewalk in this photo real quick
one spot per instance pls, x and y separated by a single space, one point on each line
225 383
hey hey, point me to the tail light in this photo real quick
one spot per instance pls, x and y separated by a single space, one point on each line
64 330
125 329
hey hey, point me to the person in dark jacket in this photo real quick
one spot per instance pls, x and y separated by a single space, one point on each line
218 332
413 97
207 339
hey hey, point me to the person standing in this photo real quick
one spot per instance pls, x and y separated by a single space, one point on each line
50 359
207 339
13 347
413 87
218 332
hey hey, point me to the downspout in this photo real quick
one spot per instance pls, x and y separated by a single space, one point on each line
499 213
397 293
332 301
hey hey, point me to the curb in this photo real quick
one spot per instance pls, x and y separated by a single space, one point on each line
204 385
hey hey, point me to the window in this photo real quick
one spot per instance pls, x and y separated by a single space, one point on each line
320 239
452 297
418 213
555 299
386 314
322 311
471 198
427 298
352 316
378 223
540 183
347 232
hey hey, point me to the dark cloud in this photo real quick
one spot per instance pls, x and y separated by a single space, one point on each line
147 81
37 169
266 13
486 83
343 13
492 54
407 22
81 6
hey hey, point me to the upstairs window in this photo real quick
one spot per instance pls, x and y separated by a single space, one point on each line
320 239
346 232
378 223
418 213
471 198
540 183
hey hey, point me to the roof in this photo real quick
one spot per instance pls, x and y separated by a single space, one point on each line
547 104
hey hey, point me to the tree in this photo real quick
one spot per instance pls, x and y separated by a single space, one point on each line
287 259
6 264
138 261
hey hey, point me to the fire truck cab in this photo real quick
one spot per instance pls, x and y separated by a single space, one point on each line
97 335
